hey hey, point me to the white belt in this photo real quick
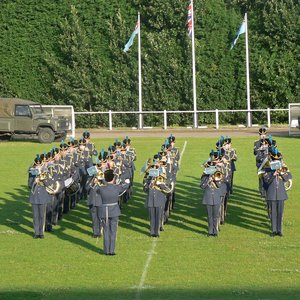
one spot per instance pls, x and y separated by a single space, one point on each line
106 209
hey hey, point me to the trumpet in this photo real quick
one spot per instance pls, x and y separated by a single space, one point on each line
100 175
283 170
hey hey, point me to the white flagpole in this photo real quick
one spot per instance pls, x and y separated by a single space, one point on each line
194 70
140 75
249 121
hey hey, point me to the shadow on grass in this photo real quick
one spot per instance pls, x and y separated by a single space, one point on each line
151 293
245 210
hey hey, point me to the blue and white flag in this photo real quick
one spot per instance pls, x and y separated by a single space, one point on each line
130 41
241 31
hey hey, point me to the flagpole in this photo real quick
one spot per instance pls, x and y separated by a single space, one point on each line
140 75
194 70
249 121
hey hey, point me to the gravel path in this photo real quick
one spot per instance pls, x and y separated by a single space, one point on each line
203 132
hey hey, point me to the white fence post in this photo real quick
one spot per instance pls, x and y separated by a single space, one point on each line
110 119
269 117
217 119
165 120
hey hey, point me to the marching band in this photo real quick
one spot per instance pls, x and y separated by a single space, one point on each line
60 178
275 179
217 183
159 184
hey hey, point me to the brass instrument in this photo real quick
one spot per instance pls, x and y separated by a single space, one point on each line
217 176
288 184
282 171
100 175
161 180
53 188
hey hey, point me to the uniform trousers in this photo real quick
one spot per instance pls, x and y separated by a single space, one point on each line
39 215
213 213
155 214
110 226
55 209
277 208
96 220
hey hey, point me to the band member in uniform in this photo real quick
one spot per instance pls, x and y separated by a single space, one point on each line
261 152
276 179
211 182
110 210
156 190
175 156
58 172
39 197
94 199
231 156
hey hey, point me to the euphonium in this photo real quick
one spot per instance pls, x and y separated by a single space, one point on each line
218 176
282 171
158 181
53 188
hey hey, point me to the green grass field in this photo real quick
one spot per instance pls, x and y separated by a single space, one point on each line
244 262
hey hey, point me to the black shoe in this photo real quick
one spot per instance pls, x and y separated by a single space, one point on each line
209 234
222 222
41 236
161 229
50 229
215 235
96 236
279 233
273 234
112 254
36 236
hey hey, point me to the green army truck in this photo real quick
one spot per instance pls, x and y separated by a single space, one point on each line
27 119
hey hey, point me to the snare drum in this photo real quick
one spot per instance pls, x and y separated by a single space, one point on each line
72 187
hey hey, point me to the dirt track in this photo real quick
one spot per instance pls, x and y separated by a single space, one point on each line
203 132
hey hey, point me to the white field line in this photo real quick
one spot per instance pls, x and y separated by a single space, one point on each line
143 277
151 252
183 149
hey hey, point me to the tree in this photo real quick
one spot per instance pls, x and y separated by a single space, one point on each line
75 71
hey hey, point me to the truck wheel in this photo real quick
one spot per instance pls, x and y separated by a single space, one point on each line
46 135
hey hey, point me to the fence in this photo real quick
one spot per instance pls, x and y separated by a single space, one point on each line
165 114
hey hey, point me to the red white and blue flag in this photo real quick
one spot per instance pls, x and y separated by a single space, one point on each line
190 19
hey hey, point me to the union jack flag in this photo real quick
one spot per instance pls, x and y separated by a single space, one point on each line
190 19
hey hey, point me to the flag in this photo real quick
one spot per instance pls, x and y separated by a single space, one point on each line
241 31
190 19
130 41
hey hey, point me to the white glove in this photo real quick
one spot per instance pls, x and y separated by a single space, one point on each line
127 180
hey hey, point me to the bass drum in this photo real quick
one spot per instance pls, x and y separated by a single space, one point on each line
72 187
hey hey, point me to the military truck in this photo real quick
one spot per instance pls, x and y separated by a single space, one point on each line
27 119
